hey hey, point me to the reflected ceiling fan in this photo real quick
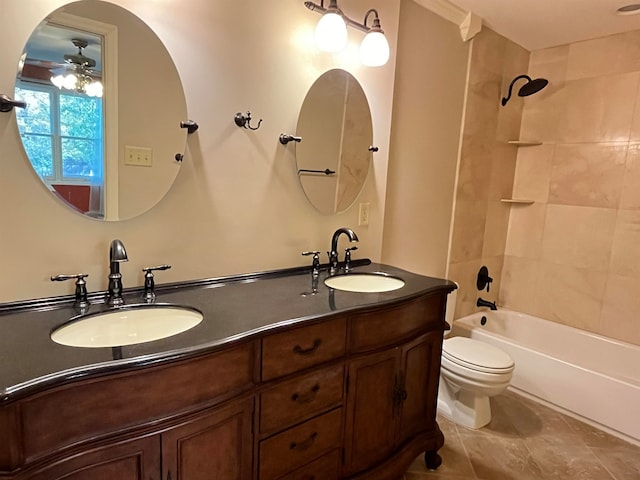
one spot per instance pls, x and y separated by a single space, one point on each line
80 78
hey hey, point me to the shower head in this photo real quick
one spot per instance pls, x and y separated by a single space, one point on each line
532 86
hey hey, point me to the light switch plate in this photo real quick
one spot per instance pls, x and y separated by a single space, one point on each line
363 214
140 156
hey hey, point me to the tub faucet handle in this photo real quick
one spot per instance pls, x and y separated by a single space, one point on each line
483 280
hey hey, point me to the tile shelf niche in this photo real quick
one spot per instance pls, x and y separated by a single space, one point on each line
520 143
524 143
517 201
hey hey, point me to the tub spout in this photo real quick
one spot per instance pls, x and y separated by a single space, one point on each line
485 303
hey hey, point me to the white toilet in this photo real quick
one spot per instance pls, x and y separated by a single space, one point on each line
471 372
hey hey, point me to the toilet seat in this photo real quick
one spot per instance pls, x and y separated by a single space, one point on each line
477 356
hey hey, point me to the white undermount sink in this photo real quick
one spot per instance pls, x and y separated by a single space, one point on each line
364 282
127 326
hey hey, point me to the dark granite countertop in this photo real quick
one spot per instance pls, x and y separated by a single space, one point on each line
234 308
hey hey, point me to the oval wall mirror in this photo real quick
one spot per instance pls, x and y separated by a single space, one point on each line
334 155
104 104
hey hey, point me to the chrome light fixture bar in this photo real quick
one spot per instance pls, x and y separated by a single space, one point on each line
331 33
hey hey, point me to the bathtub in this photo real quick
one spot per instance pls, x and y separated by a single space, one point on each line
590 377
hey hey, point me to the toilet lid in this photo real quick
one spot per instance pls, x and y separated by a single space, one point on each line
476 355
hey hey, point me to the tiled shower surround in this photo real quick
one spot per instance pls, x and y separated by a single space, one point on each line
573 256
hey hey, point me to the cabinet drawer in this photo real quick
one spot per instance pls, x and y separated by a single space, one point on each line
295 400
324 468
51 420
387 326
299 445
286 352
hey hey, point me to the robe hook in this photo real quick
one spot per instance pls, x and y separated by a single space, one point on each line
244 120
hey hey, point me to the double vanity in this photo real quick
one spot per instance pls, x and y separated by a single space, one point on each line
279 377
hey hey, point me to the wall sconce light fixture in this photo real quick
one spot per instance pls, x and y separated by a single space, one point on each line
331 33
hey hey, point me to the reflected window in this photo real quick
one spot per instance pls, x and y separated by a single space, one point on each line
62 135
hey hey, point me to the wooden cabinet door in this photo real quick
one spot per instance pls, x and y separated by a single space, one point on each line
216 445
137 459
420 368
371 409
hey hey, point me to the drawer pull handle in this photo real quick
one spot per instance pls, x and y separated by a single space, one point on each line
307 351
304 445
306 397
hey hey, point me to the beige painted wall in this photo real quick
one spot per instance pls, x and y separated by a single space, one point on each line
236 205
487 164
574 256
427 114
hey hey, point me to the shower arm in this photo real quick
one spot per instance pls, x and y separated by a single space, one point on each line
508 97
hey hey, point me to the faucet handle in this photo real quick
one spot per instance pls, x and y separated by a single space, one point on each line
315 266
483 280
81 287
347 257
149 294
153 269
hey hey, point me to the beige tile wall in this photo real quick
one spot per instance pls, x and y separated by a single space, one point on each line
487 167
574 255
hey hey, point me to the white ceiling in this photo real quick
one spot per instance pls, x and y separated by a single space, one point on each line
536 24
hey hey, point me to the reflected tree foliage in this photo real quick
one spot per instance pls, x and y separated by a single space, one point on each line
62 134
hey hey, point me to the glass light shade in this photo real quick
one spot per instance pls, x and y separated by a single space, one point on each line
331 33
374 49
57 80
70 82
94 89
65 81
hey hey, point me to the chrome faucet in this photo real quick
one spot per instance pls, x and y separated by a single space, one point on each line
333 254
117 255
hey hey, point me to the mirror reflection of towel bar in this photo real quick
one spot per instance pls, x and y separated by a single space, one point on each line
323 172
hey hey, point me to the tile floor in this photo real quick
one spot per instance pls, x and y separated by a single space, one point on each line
526 440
